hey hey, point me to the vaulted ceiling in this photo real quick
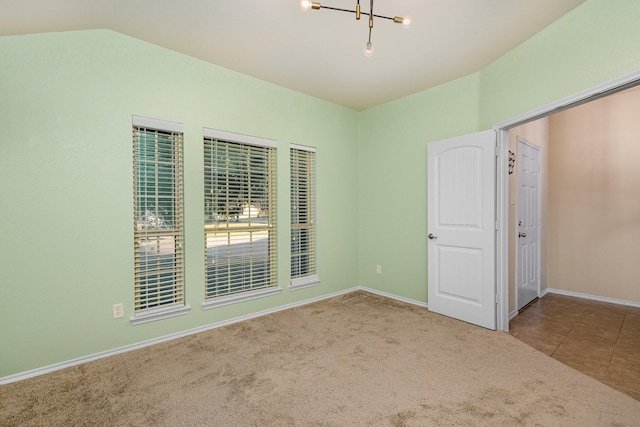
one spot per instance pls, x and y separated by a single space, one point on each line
317 52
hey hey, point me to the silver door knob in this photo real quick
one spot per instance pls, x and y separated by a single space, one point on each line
431 236
522 234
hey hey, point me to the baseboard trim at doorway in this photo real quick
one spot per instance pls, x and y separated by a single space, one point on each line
589 296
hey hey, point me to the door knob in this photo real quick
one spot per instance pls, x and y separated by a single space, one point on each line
522 234
431 236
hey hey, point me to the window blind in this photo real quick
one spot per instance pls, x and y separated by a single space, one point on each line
158 215
240 212
303 257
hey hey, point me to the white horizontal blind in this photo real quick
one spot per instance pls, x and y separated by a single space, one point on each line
303 257
240 212
158 217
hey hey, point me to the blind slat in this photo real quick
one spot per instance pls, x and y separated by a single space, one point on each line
239 203
158 218
302 211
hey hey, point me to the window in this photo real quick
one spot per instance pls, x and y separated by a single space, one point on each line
303 251
240 217
158 228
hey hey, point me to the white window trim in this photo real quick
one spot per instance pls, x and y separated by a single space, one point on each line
234 298
311 280
240 297
302 147
156 124
304 282
153 314
170 310
236 137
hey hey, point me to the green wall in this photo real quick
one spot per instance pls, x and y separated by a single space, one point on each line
595 43
393 181
66 184
66 102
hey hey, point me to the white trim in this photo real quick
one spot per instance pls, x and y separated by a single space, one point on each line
156 124
543 292
502 177
101 355
395 297
593 297
304 282
237 137
159 314
302 147
240 297
586 95
513 314
502 233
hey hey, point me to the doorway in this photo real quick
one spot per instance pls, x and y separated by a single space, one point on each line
504 243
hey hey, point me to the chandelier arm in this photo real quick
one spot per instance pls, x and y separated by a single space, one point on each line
380 16
339 9
353 11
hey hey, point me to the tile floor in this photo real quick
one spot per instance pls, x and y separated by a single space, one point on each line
599 339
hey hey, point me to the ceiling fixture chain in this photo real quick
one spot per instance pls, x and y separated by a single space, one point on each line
368 48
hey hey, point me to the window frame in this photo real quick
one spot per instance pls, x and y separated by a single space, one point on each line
236 142
307 199
178 306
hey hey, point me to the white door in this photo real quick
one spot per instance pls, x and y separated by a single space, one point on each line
461 228
528 223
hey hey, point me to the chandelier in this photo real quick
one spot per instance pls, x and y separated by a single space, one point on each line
368 48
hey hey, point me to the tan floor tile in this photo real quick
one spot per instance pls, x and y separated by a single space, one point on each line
599 339
617 386
585 342
628 348
633 312
624 374
631 326
593 367
544 344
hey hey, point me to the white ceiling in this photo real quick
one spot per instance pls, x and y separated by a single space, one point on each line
319 53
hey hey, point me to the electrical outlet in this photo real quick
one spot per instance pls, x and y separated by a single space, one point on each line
379 269
118 310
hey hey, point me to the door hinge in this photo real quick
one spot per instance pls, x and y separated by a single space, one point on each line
498 225
497 298
497 151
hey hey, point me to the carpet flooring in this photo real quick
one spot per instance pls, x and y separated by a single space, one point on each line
354 360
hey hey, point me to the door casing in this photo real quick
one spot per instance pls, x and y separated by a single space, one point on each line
502 176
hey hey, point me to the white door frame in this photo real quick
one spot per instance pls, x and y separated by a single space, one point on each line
502 177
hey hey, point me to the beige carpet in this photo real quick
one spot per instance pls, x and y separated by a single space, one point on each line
354 360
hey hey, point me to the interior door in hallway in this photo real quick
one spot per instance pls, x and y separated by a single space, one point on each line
461 228
528 223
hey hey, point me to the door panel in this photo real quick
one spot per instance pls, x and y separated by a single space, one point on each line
528 265
461 226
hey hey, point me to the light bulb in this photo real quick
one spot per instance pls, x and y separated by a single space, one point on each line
407 21
368 50
307 5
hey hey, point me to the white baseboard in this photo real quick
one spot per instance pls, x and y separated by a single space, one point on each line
396 297
513 314
80 360
591 297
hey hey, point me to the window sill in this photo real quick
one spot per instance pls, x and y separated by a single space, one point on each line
304 282
240 297
158 314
